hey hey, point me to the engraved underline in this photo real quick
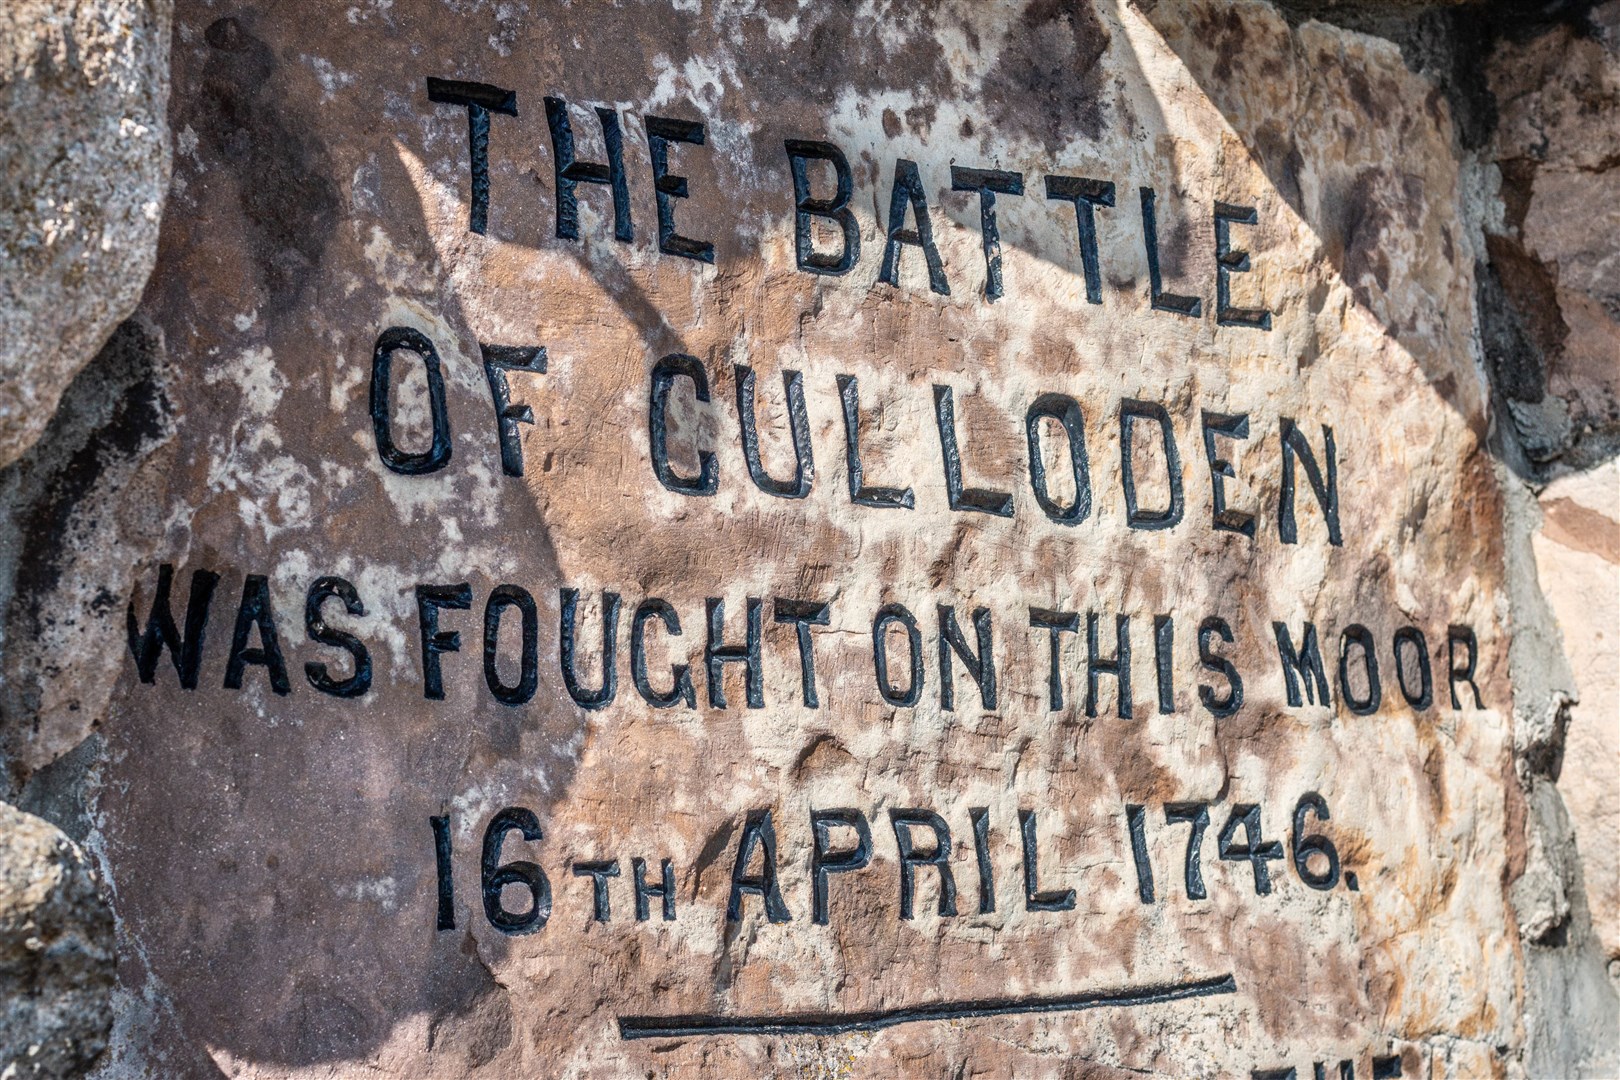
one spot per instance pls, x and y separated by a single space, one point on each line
664 1027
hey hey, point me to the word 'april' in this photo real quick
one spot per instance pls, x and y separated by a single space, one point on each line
830 215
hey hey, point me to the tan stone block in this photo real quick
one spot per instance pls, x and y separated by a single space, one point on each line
1578 563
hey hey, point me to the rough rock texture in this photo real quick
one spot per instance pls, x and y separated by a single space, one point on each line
272 854
1558 363
1571 1019
84 167
76 519
1578 566
274 851
1550 307
56 961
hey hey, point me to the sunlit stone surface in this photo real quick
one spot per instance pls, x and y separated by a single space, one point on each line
1188 228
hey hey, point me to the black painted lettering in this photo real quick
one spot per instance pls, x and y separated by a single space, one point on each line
887 616
1212 627
1256 850
981 665
903 821
479 99
664 890
1220 470
1416 643
1361 638
1119 667
501 598
257 613
1228 262
1326 489
1055 622
1196 815
804 614
804 468
603 695
681 691
1164 644
1464 672
437 455
570 172
161 633
1136 824
315 628
1129 412
800 152
859 493
757 832
982 500
1085 195
497 877
1302 666
662 131
664 374
716 654
908 192
430 599
446 919
599 872
980 816
1036 899
498 360
1305 845
826 861
989 183
1190 306
1066 411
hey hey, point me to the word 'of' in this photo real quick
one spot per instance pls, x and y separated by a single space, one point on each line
1053 426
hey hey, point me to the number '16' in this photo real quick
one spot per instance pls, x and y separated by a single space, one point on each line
496 876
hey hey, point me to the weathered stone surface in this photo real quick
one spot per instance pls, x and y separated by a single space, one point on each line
1571 1017
83 91
76 520
56 962
325 812
272 848
1578 565
1548 308
84 163
1559 151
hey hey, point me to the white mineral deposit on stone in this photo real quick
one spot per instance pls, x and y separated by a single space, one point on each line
1050 539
